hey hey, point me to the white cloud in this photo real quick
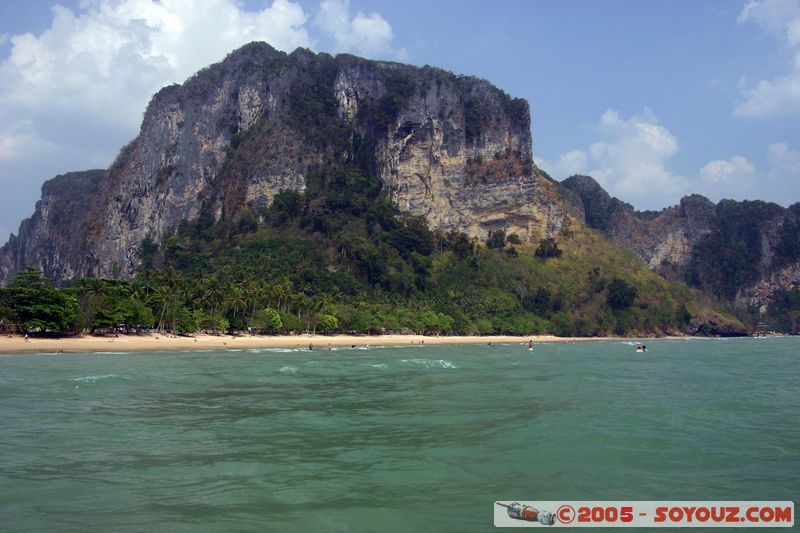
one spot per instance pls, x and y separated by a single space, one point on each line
115 55
568 164
793 32
773 98
73 95
368 35
772 15
739 179
630 160
735 177
782 181
784 160
81 86
631 155
16 144
779 96
101 64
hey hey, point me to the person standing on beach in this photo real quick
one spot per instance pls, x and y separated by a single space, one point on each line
530 344
310 346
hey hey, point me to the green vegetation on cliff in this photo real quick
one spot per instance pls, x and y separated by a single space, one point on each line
741 252
730 257
341 257
749 243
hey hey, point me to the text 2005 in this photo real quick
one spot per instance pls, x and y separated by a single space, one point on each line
605 514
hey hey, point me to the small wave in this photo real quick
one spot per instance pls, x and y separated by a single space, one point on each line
288 370
92 379
379 365
431 363
629 343
275 350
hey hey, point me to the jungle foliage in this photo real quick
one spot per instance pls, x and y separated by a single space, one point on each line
340 257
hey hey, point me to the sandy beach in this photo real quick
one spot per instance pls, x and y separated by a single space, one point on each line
16 344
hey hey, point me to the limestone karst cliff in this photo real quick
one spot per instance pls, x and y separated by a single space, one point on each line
747 253
454 149
658 239
51 236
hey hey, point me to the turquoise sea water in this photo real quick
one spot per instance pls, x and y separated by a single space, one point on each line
417 438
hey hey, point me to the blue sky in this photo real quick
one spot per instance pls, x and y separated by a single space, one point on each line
655 99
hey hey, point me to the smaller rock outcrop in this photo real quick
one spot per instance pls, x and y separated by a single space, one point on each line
47 238
659 239
747 253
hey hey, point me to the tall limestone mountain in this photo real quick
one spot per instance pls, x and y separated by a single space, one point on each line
453 149
746 253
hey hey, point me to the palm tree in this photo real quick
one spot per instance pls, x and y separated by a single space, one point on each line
93 295
173 279
136 289
269 292
96 290
169 289
313 304
302 302
165 294
283 291
198 293
214 295
323 300
146 285
256 292
236 299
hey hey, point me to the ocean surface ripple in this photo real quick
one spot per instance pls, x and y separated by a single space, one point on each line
418 438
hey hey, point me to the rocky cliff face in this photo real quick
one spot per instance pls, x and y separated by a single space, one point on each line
658 239
453 149
53 235
745 252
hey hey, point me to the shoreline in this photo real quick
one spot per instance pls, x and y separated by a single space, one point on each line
17 345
